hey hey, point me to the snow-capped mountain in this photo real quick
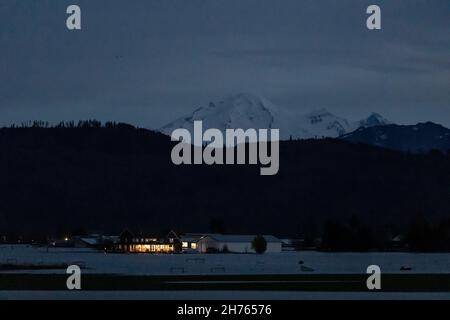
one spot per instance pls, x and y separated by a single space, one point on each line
372 121
318 124
244 111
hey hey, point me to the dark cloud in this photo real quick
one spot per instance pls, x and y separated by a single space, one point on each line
150 61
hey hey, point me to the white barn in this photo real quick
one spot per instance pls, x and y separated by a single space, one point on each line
235 243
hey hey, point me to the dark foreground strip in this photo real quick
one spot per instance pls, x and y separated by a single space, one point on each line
330 283
360 310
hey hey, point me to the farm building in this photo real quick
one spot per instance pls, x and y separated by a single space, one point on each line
235 243
131 244
189 241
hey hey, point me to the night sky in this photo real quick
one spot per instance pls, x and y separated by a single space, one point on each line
147 62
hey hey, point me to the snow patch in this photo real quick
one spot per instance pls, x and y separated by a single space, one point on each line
245 111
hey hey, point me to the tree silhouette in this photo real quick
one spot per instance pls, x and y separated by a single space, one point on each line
259 244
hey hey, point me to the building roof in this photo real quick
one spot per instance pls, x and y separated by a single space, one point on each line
90 241
398 238
241 238
190 238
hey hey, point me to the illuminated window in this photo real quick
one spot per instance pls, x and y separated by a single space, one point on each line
185 244
193 245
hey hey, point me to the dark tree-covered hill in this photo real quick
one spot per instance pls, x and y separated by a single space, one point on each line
57 180
419 138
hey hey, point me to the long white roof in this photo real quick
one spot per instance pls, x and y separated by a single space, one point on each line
240 238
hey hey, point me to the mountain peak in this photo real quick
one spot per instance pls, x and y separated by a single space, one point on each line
242 100
373 120
246 110
319 113
418 138
238 111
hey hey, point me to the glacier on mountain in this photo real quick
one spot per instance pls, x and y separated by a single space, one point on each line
245 111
